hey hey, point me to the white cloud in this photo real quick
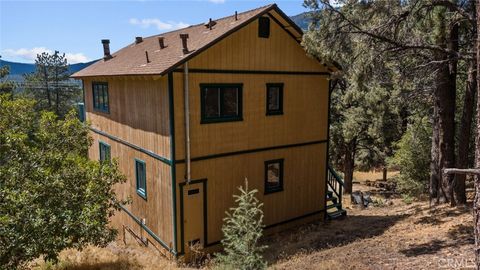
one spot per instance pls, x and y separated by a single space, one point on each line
217 1
31 54
169 25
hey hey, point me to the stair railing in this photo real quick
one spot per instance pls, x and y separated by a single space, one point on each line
335 182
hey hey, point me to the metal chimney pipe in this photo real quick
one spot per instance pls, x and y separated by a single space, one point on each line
146 55
184 38
210 24
236 15
161 42
106 49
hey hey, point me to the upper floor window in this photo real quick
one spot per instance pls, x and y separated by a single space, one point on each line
141 178
221 102
104 152
274 98
263 27
273 176
100 96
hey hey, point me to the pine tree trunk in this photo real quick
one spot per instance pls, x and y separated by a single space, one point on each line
476 204
435 175
349 166
384 174
465 133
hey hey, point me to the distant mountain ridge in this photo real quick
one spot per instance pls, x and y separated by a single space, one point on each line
25 68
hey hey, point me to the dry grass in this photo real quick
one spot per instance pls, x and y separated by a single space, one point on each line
391 236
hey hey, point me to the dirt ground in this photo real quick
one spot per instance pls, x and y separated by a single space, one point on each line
390 234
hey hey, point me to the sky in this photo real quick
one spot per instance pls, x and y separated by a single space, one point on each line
76 27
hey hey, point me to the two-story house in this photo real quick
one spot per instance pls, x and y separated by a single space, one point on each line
191 113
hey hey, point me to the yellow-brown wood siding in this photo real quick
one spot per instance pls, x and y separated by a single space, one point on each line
157 209
138 112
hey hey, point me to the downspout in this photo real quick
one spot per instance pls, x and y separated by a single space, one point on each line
188 176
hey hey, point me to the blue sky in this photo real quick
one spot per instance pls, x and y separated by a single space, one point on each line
76 27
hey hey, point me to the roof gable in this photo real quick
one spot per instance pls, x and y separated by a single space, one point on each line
131 60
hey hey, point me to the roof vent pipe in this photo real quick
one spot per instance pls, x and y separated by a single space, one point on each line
184 38
146 55
106 49
210 23
161 42
236 15
138 40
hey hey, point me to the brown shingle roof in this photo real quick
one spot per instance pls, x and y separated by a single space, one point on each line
131 59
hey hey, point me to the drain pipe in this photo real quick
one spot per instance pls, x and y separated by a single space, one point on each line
188 175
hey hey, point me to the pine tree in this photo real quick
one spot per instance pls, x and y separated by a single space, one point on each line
242 230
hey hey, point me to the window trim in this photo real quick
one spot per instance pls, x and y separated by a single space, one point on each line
280 110
100 144
280 188
141 192
220 119
96 105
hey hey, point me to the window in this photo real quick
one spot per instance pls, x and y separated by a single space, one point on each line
104 152
100 96
273 176
274 98
141 175
263 27
221 102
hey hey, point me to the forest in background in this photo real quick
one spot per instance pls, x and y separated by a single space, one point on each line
406 95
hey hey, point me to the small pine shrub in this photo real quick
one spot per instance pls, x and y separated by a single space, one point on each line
413 158
242 230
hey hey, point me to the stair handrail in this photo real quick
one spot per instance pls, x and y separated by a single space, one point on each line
338 180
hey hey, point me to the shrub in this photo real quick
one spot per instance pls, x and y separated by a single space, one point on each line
242 229
413 158
52 197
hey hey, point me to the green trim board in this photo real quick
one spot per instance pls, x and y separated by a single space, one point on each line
279 223
273 87
150 232
252 151
222 116
141 178
136 147
172 162
270 190
331 86
243 71
205 216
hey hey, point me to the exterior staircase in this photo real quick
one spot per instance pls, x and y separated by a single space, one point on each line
334 192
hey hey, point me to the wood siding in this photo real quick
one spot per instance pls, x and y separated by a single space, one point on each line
244 50
304 119
157 208
303 184
138 112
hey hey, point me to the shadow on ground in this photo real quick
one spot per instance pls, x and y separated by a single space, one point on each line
458 235
321 235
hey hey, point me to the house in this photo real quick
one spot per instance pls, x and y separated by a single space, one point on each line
191 113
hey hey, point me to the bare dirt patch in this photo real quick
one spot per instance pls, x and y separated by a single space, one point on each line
397 236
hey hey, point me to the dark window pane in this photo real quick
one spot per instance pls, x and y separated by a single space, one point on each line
212 102
95 97
105 98
273 175
230 102
274 98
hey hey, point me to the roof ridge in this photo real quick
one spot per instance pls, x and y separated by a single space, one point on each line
218 19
